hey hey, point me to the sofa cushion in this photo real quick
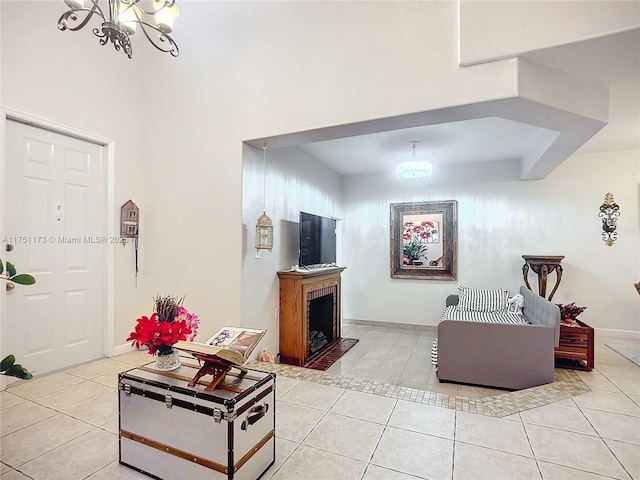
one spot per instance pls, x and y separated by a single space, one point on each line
477 300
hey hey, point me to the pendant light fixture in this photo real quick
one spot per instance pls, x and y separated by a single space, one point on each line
264 226
414 167
122 18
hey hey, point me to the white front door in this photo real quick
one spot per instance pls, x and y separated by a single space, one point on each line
56 224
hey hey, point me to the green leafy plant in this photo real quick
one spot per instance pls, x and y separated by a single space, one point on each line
8 366
13 369
9 273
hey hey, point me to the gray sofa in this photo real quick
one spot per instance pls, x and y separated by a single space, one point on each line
501 355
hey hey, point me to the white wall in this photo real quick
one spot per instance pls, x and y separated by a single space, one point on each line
499 220
246 70
491 30
295 182
251 69
70 79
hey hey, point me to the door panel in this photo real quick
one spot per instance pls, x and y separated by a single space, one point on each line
38 151
76 311
75 258
37 216
56 208
40 336
77 162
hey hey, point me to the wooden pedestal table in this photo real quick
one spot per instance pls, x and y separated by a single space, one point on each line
543 265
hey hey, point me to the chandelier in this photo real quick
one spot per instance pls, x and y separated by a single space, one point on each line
122 18
415 166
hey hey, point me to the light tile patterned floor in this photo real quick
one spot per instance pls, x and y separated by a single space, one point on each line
380 345
380 424
567 384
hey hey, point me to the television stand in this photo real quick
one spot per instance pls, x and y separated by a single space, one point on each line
312 268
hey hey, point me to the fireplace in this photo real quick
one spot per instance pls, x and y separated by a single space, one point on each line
321 319
309 312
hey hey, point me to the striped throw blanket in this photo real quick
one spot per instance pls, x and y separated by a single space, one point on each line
454 313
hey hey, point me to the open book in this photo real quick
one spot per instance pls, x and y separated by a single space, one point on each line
231 345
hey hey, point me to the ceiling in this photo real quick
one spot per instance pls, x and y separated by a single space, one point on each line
613 61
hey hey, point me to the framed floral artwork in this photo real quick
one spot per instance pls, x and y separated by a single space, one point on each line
424 239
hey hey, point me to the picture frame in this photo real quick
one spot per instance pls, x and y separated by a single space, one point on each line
424 240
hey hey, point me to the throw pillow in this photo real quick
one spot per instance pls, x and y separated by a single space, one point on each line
477 300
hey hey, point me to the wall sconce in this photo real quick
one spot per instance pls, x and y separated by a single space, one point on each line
609 213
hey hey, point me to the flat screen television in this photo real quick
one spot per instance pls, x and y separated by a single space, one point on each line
317 240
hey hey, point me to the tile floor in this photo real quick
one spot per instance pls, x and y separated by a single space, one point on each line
379 423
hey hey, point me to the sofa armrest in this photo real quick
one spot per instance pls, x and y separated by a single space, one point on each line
540 311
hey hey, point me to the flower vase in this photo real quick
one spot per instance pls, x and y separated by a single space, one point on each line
168 361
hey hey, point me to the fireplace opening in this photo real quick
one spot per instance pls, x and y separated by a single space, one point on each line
321 322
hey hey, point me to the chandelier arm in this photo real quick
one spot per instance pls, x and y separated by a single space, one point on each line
72 14
162 37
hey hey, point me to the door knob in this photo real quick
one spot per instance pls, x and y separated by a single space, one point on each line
10 286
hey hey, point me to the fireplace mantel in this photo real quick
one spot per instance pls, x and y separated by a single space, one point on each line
296 288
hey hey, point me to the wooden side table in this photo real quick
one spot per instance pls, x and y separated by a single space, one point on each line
576 347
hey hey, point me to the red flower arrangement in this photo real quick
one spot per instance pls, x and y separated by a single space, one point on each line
168 324
569 312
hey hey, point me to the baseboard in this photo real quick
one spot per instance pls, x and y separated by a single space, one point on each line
611 333
124 348
406 326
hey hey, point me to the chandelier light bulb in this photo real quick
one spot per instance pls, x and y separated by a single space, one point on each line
165 15
74 3
415 167
129 16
